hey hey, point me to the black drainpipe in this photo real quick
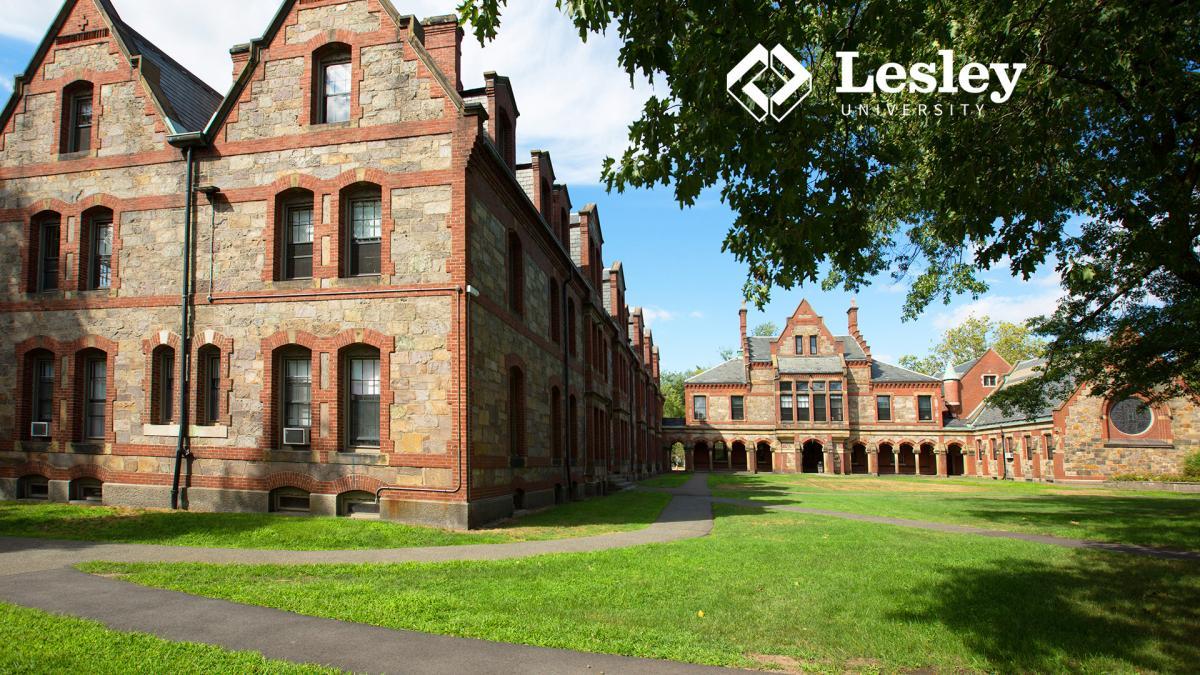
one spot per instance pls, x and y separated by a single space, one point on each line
181 447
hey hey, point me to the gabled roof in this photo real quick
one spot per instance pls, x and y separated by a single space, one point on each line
730 372
991 415
187 103
886 372
963 367
851 347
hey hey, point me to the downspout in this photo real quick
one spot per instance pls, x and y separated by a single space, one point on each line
181 446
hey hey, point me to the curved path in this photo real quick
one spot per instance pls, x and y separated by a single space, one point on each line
36 573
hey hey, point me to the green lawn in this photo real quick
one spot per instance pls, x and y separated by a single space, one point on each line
619 512
1160 519
770 590
667 480
36 642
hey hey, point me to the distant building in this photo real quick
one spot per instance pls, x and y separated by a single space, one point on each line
811 401
384 302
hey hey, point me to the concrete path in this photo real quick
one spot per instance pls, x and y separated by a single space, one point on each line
36 573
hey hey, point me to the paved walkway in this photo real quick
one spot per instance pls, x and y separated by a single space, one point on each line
36 573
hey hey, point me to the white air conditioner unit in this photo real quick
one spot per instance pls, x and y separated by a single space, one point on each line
295 436
39 430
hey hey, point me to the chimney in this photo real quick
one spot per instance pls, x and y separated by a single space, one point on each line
240 54
952 388
443 41
742 321
852 317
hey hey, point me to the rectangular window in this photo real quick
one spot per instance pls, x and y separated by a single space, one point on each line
989 380
835 407
364 401
992 443
299 241
336 85
166 388
818 407
1049 443
801 407
785 408
102 239
212 388
43 390
925 408
812 345
799 345
699 407
737 408
48 249
818 386
81 123
835 386
365 236
297 392
883 408
95 398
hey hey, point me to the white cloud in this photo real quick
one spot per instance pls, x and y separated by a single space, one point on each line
886 358
5 85
653 315
1014 308
696 314
574 100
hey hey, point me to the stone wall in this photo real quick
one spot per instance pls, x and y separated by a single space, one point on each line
355 17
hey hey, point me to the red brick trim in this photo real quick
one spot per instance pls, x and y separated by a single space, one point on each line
224 347
152 378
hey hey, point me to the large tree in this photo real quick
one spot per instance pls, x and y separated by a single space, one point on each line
970 339
671 385
765 329
1090 167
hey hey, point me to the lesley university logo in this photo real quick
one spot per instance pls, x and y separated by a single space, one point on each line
743 82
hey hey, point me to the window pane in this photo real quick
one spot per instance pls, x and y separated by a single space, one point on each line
43 391
812 344
802 408
212 394
300 237
818 408
737 410
925 408
785 407
802 386
818 386
49 249
835 407
97 384
883 407
337 92
365 217
364 401
300 225
786 385
297 392
700 407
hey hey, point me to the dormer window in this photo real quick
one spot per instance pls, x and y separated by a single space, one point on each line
812 345
333 84
799 345
989 380
77 118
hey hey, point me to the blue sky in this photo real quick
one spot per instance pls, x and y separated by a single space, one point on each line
576 102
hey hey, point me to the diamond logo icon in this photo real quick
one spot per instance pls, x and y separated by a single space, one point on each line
745 81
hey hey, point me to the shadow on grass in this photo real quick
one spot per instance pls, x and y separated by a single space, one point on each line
1027 616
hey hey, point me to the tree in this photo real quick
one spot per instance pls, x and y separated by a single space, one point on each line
971 339
671 385
766 329
1091 166
728 353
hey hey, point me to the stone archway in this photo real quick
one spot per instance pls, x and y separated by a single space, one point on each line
926 461
907 463
812 457
763 456
887 459
701 457
858 459
739 457
955 463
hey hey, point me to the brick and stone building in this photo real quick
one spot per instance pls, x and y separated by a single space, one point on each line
335 289
811 401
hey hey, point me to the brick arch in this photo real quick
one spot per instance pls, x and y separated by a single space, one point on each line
273 227
88 471
885 441
385 345
270 388
81 240
813 439
354 483
293 480
30 242
336 230
760 439
908 441
38 468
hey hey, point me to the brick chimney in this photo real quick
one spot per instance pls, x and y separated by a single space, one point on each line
852 317
240 54
443 41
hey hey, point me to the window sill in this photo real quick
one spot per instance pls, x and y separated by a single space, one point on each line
326 126
356 281
366 456
79 154
194 431
1137 443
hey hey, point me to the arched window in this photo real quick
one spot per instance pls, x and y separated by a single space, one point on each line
91 376
555 301
45 231
361 387
556 430
77 118
39 383
571 329
293 365
289 500
209 403
294 227
331 84
357 504
516 412
505 138
573 428
96 242
516 274
362 229
162 385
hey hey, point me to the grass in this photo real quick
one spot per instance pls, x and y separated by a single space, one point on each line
620 512
667 480
1161 519
769 590
32 641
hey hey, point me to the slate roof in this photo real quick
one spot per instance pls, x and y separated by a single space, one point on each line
852 349
730 372
991 415
804 365
188 102
886 372
760 349
962 368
